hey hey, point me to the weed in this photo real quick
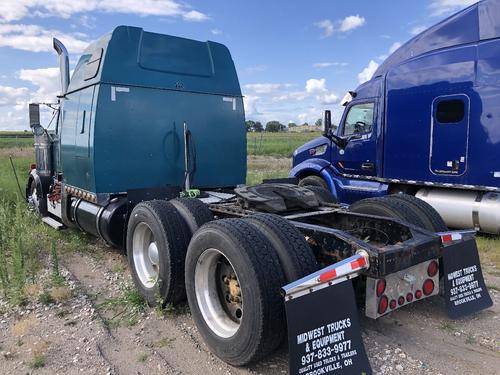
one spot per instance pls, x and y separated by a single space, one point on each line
19 342
447 326
470 339
493 287
38 361
61 313
142 357
46 298
164 342
126 308
56 277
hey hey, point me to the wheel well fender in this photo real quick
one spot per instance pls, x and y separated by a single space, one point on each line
316 167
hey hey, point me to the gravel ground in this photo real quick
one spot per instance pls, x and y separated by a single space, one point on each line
77 336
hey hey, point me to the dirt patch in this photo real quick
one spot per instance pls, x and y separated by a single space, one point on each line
78 335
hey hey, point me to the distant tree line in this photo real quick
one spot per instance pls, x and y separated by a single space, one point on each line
275 126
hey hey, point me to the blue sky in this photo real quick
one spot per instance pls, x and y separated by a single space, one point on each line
294 58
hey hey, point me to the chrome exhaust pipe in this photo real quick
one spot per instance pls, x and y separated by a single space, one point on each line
63 64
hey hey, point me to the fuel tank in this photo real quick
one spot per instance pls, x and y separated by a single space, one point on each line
465 209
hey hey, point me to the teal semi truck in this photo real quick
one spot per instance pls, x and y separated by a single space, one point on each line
148 153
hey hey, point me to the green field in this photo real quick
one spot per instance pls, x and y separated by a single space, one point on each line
276 144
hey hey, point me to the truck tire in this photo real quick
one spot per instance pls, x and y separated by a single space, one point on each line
194 212
35 197
313 181
296 257
157 240
233 281
434 221
323 195
392 208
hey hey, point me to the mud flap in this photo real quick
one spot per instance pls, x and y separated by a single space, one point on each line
465 290
324 335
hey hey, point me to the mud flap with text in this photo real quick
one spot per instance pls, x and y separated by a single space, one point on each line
324 335
465 290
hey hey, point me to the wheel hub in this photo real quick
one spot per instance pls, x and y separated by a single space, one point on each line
146 255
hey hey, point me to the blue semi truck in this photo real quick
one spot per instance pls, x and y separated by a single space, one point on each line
148 152
427 124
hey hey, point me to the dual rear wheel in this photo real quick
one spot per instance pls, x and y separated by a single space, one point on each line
231 270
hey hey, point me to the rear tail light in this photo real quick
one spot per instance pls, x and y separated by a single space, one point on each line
409 297
401 300
418 294
380 287
392 304
382 305
433 268
428 287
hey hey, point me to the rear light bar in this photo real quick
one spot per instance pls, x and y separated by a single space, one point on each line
331 275
401 288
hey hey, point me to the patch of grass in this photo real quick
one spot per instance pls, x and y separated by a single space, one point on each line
38 361
470 339
23 239
142 357
493 287
164 342
448 326
126 308
46 298
276 144
489 250
260 168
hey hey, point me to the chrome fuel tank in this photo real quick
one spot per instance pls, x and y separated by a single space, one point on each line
465 209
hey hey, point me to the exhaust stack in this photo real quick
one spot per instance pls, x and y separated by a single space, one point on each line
63 64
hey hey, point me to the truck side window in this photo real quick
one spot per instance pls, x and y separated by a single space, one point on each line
359 119
450 111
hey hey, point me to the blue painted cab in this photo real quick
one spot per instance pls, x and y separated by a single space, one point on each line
125 108
430 116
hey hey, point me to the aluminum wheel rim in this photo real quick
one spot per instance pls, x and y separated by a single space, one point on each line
211 268
146 257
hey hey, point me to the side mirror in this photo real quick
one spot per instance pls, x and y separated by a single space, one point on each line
34 109
327 123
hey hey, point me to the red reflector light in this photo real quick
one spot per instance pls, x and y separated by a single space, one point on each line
382 305
446 238
380 287
409 297
328 275
432 269
392 304
401 300
358 263
418 294
428 287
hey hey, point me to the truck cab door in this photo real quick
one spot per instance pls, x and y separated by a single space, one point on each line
357 126
449 135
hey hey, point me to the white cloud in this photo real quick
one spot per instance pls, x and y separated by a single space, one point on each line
442 7
326 26
11 96
351 23
36 39
13 10
367 73
216 31
329 99
266 88
250 103
347 24
314 86
322 65
46 79
194 15
255 69
417 29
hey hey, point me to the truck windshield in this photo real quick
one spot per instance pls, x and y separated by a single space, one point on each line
359 119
